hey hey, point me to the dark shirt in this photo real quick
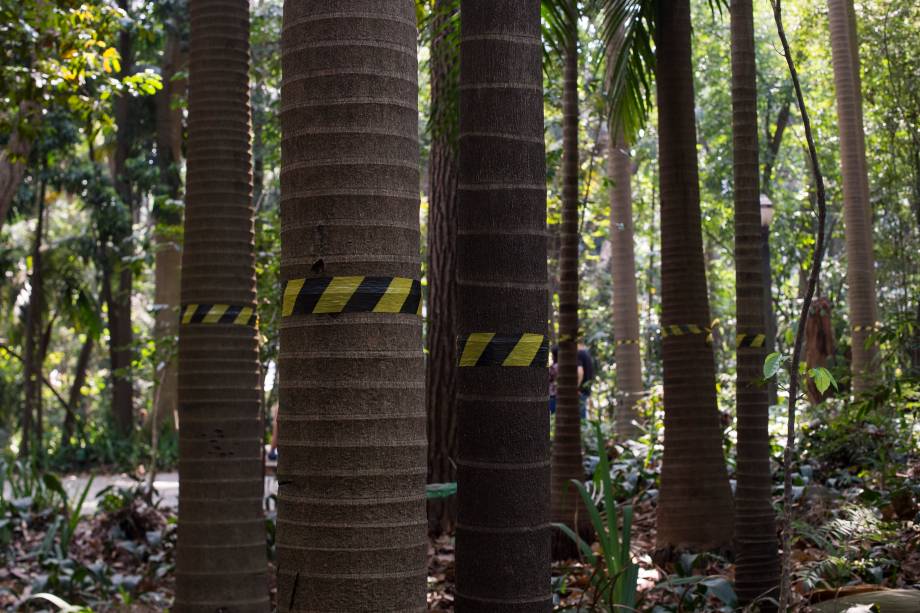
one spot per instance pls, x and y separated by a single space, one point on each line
587 364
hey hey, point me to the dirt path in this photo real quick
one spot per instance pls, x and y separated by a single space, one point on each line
166 486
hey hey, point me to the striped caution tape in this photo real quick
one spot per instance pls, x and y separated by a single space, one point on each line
750 340
867 328
682 329
219 314
490 349
352 295
627 341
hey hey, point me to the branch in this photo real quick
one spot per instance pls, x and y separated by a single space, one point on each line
47 383
785 587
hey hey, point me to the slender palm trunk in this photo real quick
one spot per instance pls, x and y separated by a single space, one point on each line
168 244
32 372
441 372
695 507
352 534
757 573
118 295
221 560
625 294
503 531
856 208
567 453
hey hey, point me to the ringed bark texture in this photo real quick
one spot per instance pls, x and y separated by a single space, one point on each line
352 532
441 367
625 295
221 561
695 508
567 453
857 212
503 531
757 572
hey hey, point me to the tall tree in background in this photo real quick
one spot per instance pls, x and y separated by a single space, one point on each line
567 452
168 217
861 293
31 421
118 277
757 574
352 448
503 531
221 560
625 296
441 373
695 508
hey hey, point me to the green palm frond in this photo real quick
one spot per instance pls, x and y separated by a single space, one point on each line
626 29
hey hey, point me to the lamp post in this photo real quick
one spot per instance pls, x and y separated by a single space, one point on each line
766 218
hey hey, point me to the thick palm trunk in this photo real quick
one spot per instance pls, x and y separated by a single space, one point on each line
441 368
757 573
221 561
695 508
168 245
625 295
352 534
503 531
856 208
567 454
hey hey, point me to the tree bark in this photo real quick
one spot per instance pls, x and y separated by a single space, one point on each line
503 531
566 450
221 559
352 533
441 367
13 159
861 294
75 399
695 506
118 297
32 372
757 570
625 294
168 257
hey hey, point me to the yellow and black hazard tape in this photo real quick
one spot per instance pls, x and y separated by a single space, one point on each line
867 328
682 329
750 340
491 349
219 314
627 341
352 295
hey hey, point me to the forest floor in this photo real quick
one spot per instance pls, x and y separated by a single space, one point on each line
120 557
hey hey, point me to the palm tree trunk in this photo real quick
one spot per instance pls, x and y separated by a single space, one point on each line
625 294
121 334
695 506
352 533
567 453
168 220
861 294
503 531
441 371
757 571
221 559
32 372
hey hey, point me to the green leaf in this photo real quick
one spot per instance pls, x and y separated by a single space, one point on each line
440 490
823 379
771 365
